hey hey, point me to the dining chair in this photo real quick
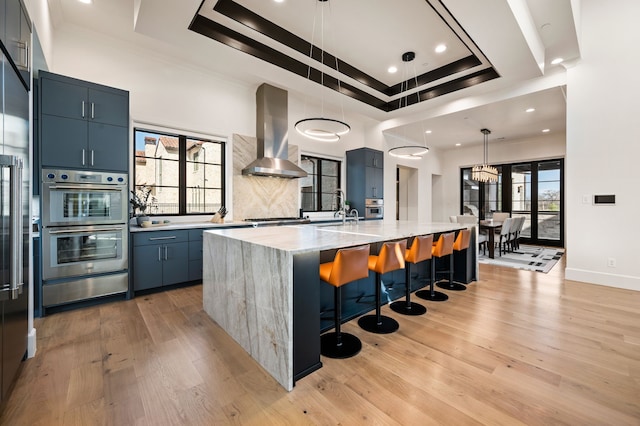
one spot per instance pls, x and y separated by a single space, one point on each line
504 233
515 232
500 216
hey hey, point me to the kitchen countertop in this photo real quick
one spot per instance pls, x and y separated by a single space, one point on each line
188 225
305 238
207 224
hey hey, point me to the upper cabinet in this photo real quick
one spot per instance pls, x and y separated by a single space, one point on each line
82 124
15 30
365 176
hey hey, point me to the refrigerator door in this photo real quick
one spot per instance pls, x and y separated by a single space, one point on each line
14 195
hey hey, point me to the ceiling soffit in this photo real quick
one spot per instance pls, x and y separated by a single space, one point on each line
238 26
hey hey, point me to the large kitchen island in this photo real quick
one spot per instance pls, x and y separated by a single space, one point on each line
261 285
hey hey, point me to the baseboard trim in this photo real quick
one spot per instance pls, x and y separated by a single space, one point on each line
31 343
610 280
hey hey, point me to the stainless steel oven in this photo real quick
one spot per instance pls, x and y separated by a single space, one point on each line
79 250
84 235
73 197
373 208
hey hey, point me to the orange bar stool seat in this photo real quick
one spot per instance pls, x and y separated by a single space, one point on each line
443 247
461 243
349 264
420 250
390 258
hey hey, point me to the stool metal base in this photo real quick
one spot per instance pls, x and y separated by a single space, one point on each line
370 323
454 286
411 308
349 347
437 296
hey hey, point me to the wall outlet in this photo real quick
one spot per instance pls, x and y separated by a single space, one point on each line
611 262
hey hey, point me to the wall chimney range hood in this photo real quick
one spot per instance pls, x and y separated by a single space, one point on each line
272 128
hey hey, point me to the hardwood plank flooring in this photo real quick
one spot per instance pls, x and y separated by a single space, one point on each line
517 347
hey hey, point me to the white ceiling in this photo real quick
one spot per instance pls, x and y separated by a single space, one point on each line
515 37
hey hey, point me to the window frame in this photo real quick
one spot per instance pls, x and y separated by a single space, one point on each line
183 163
507 197
319 177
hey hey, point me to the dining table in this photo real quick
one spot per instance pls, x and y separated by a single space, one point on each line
491 226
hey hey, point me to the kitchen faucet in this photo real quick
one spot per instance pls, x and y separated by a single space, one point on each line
354 213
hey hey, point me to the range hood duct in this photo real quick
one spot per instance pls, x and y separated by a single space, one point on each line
272 128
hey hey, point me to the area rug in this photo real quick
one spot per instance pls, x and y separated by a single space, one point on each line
531 258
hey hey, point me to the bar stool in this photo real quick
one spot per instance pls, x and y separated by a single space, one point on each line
390 258
420 250
443 247
461 243
349 264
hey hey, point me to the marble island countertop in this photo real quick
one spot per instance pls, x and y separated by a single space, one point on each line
319 236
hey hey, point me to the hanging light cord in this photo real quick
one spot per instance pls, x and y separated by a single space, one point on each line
322 129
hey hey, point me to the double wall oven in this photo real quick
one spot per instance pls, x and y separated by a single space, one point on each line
84 235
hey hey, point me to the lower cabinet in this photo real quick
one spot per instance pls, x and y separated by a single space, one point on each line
162 258
195 254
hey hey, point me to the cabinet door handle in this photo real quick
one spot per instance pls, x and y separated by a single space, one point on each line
83 159
83 116
92 157
159 258
162 238
166 253
93 108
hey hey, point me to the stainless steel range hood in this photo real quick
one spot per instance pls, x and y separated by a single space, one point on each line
273 137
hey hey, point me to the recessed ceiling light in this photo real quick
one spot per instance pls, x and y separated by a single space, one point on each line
458 144
86 1
441 48
428 131
546 130
556 61
279 1
392 69
530 109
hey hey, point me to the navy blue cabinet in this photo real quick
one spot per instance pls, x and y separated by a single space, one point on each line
365 176
195 254
82 124
160 258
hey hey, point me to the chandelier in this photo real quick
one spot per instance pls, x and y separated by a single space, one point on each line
409 152
320 128
484 172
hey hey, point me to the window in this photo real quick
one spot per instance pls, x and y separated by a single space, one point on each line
319 187
531 189
185 174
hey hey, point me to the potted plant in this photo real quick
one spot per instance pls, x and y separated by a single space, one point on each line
139 201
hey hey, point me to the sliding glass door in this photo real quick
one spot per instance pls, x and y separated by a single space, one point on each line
521 195
533 189
549 202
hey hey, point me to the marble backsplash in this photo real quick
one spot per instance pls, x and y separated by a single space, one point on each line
260 196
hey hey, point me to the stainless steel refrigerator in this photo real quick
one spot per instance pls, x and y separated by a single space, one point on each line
14 222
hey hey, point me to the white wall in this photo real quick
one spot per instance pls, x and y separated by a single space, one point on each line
169 94
39 14
547 146
603 146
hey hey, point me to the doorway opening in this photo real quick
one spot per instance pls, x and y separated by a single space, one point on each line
406 193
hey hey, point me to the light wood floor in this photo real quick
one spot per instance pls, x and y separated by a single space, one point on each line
516 348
